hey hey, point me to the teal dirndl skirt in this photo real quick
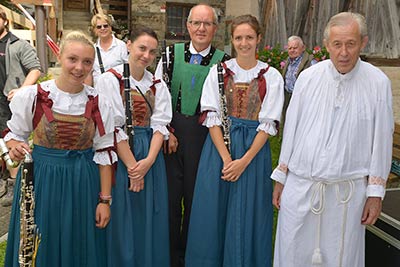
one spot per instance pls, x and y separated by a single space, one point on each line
66 184
138 233
231 222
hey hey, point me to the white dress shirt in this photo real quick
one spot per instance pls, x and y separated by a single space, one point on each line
339 126
116 55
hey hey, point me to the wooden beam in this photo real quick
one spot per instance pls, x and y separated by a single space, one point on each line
98 7
35 2
17 18
396 153
396 142
115 3
117 12
52 29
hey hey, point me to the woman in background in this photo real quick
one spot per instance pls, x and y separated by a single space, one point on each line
72 129
231 219
110 51
138 233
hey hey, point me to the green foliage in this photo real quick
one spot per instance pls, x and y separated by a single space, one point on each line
319 53
120 27
45 77
3 246
274 56
275 145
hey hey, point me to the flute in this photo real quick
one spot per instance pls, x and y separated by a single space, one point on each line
225 122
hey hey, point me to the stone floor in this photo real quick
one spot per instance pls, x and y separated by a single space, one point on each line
4 220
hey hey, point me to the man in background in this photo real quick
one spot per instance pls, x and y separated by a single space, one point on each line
19 66
297 61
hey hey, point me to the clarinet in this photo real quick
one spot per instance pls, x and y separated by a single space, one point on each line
128 108
164 62
29 233
5 156
225 122
128 105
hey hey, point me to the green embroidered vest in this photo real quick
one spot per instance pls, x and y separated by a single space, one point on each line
189 78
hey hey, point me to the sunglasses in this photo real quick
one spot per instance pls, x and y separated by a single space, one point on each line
105 26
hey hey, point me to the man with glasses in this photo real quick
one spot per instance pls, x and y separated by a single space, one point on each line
187 67
110 51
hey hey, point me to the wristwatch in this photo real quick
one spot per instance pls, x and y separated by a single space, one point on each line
105 201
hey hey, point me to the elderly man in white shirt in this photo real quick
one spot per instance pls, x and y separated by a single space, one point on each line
336 154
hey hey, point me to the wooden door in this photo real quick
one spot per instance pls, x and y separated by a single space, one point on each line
76 5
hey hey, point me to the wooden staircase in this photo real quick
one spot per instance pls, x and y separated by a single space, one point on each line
77 20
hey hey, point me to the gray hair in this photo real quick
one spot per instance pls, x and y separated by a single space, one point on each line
213 10
344 19
296 38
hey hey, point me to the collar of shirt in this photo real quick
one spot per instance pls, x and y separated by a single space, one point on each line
113 44
202 53
347 76
5 38
296 60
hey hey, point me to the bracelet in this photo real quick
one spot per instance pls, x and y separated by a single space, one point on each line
101 196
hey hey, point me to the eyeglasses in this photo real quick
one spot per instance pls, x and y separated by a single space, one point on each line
197 23
105 26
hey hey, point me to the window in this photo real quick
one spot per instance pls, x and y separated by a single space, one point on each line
176 21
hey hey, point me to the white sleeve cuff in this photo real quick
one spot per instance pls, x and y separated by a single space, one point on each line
121 135
162 129
279 176
103 157
376 191
269 127
11 135
212 119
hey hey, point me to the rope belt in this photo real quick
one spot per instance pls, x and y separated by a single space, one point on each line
318 194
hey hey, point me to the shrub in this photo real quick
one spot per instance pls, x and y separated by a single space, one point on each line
274 56
319 53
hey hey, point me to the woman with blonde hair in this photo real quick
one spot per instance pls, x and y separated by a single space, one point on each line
72 128
110 51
